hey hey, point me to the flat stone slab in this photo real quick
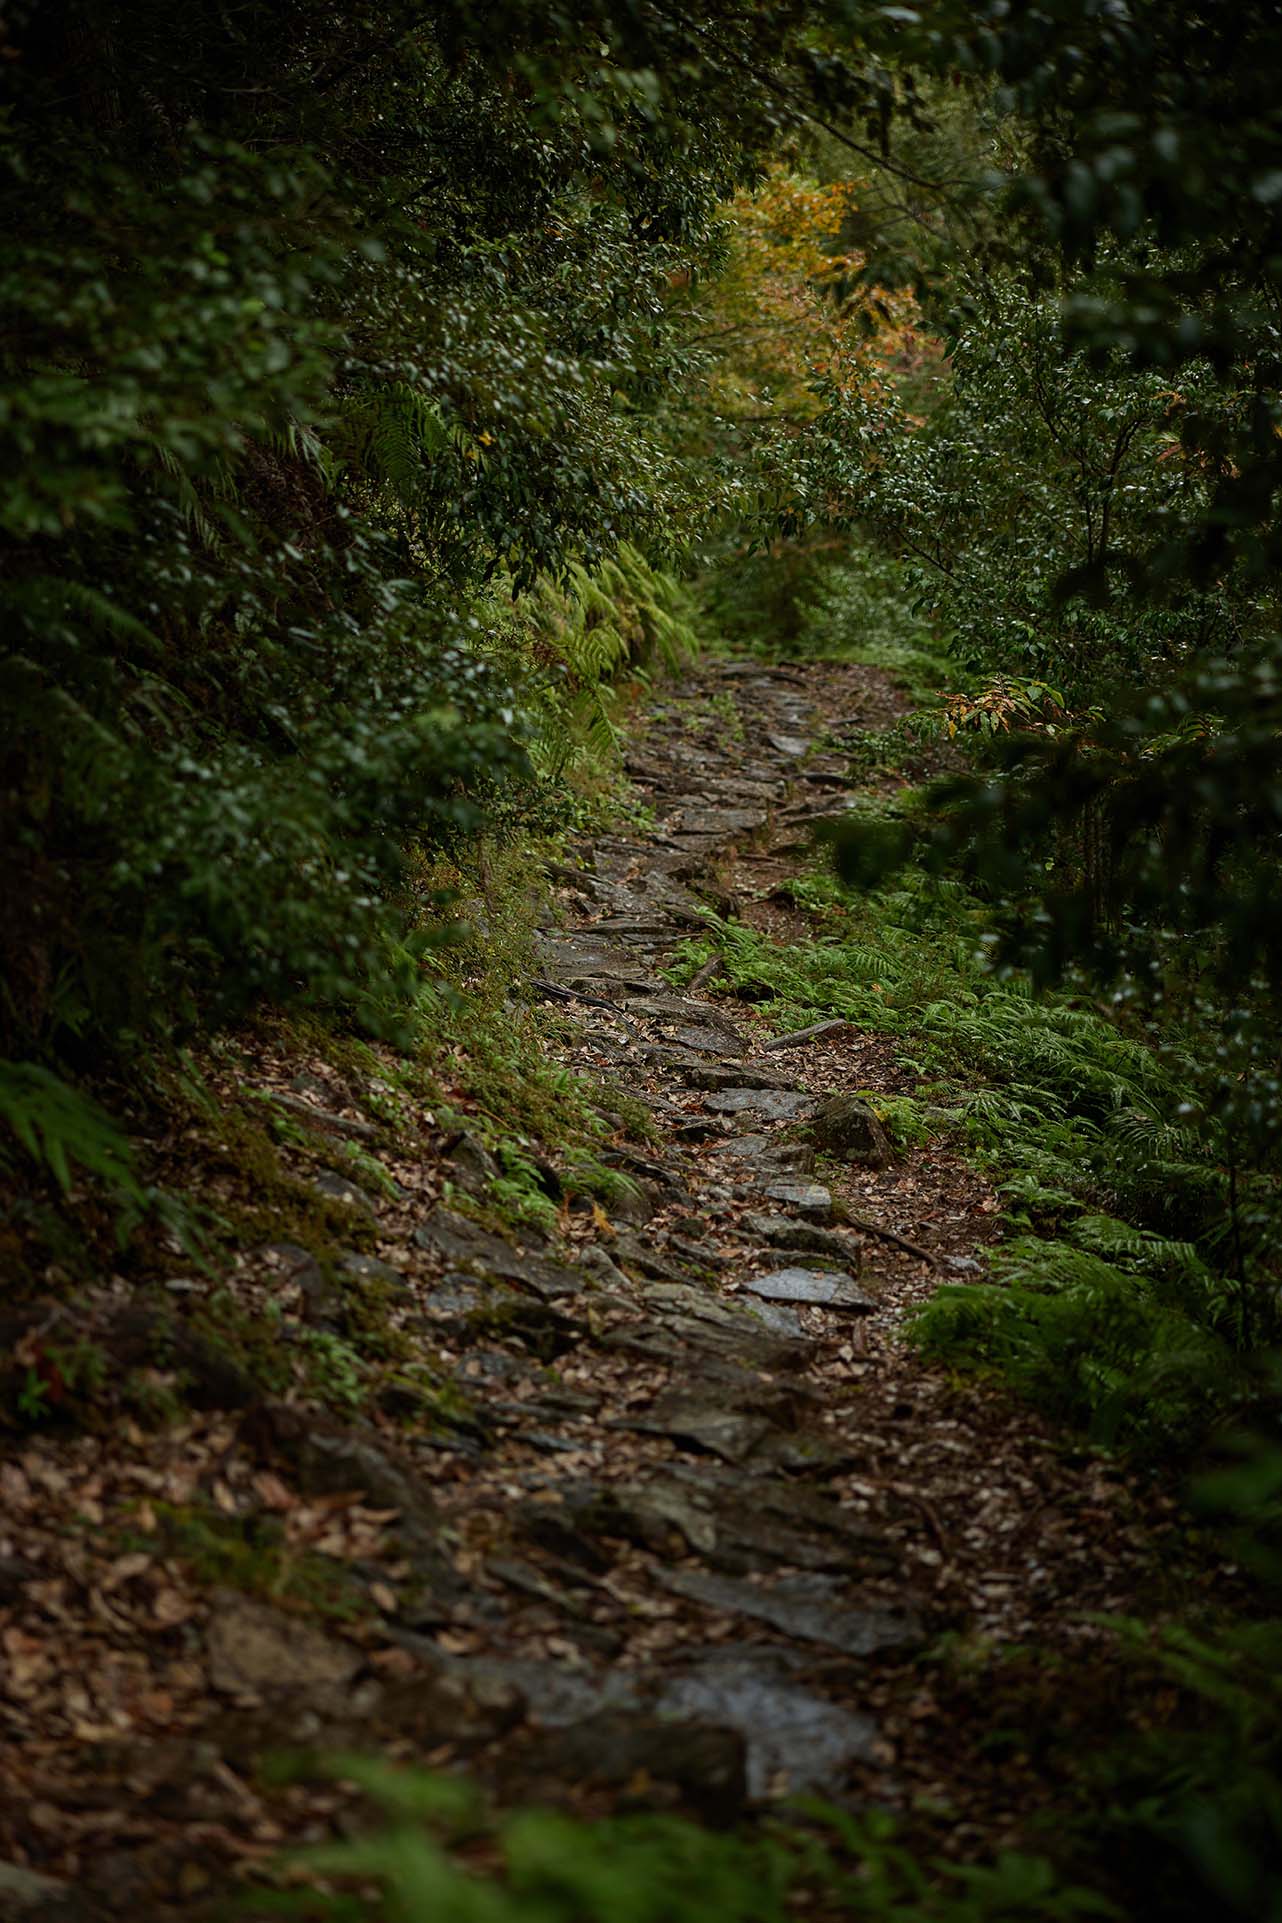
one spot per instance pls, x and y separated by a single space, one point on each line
781 1319
777 1105
704 1040
818 1288
736 1075
767 1155
809 1198
785 1232
810 1608
685 1008
792 745
732 1434
462 1243
581 956
795 1740
719 821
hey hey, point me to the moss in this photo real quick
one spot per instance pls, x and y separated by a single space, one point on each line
251 1554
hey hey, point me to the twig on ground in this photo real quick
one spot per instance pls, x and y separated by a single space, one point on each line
893 1235
704 974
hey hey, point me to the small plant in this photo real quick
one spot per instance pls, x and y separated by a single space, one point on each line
538 1866
337 1368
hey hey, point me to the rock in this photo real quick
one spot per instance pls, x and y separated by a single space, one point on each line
768 1155
471 1166
809 1608
701 1038
462 1242
847 1127
719 1075
963 1264
817 1287
555 1696
809 1197
730 1433
602 1266
635 1204
330 1460
794 1739
730 1330
779 1318
820 1032
253 1648
636 1254
704 1254
338 1463
321 1118
658 1766
322 1297
583 958
368 1268
785 1232
721 821
807 1259
24 1893
777 1105
792 745
456 1298
336 1187
740 1522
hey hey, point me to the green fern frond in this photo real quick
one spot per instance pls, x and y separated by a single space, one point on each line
59 1127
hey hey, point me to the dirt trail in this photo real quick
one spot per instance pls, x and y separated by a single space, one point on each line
700 1511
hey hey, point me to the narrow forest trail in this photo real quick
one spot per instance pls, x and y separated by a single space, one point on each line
747 1504
695 1519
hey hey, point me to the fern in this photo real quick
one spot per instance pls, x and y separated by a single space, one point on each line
59 1127
1103 1348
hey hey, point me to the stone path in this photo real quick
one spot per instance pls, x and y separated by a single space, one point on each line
720 1512
693 1518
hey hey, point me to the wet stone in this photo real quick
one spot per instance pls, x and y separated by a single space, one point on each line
809 1608
470 1164
795 1740
721 821
809 1197
847 1127
708 1041
779 1318
785 1232
730 1433
452 1236
677 1008
368 1268
818 1288
337 1188
776 1105
768 1156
